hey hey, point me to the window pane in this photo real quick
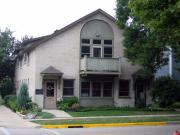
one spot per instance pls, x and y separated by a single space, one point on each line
82 55
96 89
97 52
108 42
50 89
124 87
96 41
107 89
85 49
107 56
68 83
107 93
68 91
85 89
68 87
108 50
85 41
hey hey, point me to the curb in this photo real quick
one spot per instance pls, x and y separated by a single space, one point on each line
106 125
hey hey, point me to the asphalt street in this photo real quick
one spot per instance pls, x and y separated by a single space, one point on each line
142 130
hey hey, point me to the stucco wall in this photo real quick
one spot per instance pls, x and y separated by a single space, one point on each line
26 72
63 53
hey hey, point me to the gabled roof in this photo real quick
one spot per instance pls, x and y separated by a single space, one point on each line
51 71
37 41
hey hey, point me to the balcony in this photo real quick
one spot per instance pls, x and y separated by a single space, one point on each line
104 66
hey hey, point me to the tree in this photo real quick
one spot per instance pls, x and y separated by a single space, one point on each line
143 45
6 86
23 98
7 47
166 91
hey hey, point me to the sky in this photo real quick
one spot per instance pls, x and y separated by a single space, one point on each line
42 17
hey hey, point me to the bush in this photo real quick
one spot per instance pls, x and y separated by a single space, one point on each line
11 102
6 87
23 99
33 107
66 103
176 105
166 91
1 100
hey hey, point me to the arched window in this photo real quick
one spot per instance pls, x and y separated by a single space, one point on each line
97 39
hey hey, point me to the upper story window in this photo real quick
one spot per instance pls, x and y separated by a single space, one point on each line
97 39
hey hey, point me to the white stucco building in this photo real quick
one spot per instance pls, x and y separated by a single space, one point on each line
84 59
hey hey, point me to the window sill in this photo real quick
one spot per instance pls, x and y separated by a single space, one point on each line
125 97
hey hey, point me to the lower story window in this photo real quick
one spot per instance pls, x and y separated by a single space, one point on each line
107 89
85 89
68 87
96 89
124 87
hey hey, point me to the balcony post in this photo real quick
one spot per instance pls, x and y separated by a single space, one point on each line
119 66
85 62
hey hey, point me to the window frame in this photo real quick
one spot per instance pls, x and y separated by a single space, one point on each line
86 88
129 88
107 89
92 46
68 87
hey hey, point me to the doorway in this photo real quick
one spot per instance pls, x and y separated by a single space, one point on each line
140 93
50 92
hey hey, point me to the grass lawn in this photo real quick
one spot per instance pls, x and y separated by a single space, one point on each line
107 120
118 113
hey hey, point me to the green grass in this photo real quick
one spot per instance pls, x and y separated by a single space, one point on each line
107 120
118 113
43 115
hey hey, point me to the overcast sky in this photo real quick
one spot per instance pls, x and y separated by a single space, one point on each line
41 17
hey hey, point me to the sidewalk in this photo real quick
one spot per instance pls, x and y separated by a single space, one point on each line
58 113
11 119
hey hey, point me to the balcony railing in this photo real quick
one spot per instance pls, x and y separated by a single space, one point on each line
100 65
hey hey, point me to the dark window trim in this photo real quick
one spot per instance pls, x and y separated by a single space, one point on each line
102 90
68 87
129 88
102 45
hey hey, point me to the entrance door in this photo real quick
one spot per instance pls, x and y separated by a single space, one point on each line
50 94
97 51
140 93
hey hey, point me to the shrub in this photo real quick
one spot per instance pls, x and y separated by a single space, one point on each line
23 99
176 105
166 91
6 87
66 103
33 107
11 102
1 100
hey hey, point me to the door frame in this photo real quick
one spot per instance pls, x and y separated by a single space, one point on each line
44 89
143 82
93 51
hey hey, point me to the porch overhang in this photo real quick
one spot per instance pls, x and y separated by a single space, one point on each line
51 71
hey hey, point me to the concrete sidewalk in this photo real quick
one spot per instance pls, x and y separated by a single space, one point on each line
11 119
58 113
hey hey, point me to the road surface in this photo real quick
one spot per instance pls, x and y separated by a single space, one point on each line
142 130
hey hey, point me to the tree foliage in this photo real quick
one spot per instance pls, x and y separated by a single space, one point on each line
6 86
23 98
148 34
7 47
166 91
